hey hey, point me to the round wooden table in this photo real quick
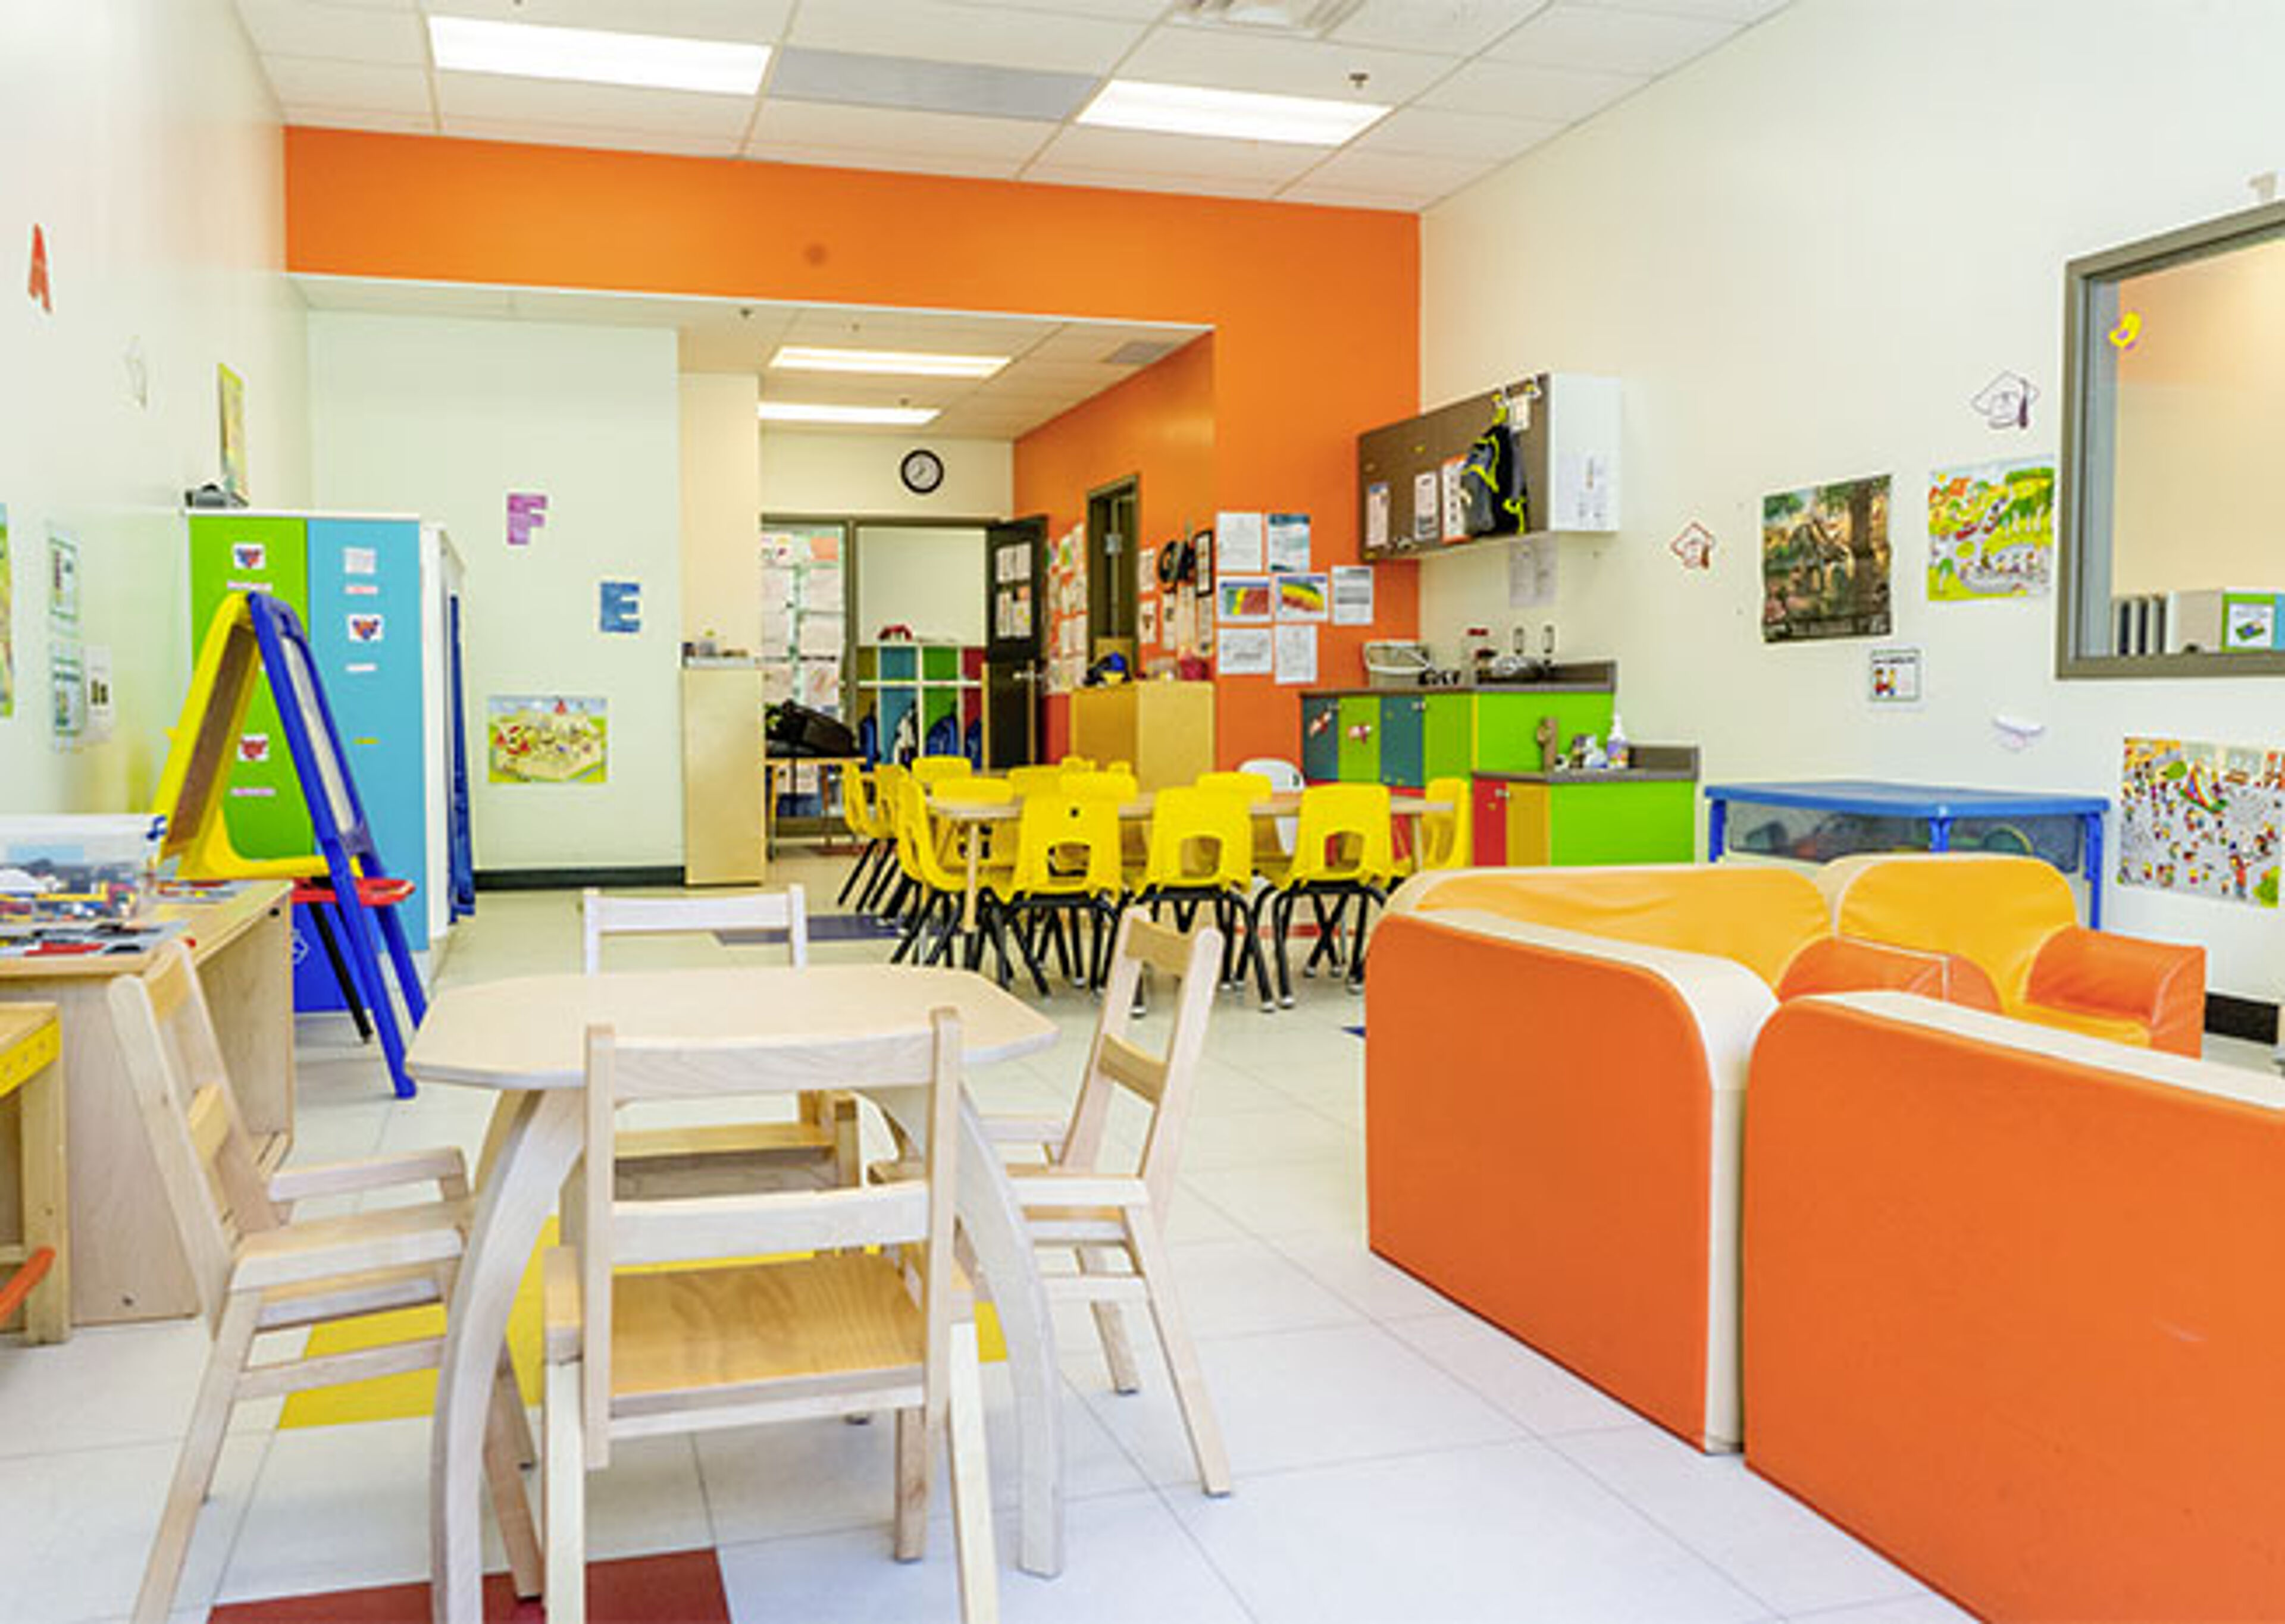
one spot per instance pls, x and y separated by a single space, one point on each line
524 1037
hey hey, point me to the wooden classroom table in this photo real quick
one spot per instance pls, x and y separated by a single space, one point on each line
127 1261
1284 803
525 1038
31 1047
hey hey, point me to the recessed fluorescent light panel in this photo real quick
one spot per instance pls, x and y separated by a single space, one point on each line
879 417
1242 115
893 363
596 56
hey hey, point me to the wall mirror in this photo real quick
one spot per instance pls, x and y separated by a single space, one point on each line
2172 536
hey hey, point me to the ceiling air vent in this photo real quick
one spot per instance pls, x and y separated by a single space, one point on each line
1305 19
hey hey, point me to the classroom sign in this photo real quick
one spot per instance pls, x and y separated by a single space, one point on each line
548 739
2202 818
1991 531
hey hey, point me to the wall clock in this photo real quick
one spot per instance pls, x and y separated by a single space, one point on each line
923 471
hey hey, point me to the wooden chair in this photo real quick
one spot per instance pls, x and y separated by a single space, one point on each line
822 1142
1114 1223
846 1331
257 1270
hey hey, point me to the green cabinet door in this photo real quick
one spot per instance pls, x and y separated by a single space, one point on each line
230 553
1621 823
1360 724
1403 740
1507 724
1448 736
1321 738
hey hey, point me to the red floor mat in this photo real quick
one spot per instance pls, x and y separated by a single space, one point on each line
683 1586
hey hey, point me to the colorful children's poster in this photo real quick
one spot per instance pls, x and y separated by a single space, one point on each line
1288 542
2202 818
1992 530
1892 677
1245 600
229 394
1303 598
548 739
1242 651
1352 594
7 623
1825 562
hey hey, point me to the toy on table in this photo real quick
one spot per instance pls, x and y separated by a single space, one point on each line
351 896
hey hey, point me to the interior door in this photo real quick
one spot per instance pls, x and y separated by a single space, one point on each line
1113 522
1014 639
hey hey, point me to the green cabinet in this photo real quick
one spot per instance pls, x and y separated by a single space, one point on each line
1321 738
1448 736
1360 731
1403 740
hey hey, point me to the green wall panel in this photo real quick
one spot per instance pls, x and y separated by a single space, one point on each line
1505 725
1360 758
232 552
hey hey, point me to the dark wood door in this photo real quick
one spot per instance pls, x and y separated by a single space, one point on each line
1015 634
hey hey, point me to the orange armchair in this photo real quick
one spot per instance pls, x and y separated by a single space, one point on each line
2015 919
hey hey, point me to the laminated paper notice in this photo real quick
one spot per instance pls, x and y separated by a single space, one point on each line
1375 515
1297 653
1240 544
1352 594
1427 506
1456 503
1242 651
1288 542
1531 573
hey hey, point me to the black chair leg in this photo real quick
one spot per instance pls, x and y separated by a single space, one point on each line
1356 952
1285 934
1265 901
856 870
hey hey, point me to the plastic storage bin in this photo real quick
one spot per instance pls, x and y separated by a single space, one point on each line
75 870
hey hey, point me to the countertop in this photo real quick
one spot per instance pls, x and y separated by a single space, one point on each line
1584 677
1654 763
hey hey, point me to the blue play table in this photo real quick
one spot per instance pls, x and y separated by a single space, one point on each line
1940 805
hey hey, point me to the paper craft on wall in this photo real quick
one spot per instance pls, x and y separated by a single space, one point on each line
1297 653
1240 544
1244 651
7 623
527 511
1694 546
1303 598
548 739
620 609
1992 530
2007 401
230 391
1146 622
36 283
2202 818
1352 594
1892 677
1288 544
1825 562
1245 600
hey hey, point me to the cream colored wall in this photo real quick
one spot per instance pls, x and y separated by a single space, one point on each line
1804 255
808 472
2200 401
141 137
722 509
443 417
930 579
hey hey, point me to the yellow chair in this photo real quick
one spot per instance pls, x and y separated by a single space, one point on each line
1343 852
1030 780
1201 855
1067 868
933 770
890 887
973 791
1448 839
1077 764
861 815
1104 785
930 878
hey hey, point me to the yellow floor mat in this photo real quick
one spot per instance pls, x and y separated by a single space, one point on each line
396 1398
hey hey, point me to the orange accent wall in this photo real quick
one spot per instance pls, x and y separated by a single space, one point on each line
1315 311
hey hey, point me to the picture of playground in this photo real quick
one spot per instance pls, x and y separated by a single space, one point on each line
546 739
2202 818
1825 562
1991 531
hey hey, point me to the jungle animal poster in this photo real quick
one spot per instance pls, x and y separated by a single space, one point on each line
1991 531
1826 561
2202 818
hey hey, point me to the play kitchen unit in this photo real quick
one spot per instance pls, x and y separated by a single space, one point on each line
1532 737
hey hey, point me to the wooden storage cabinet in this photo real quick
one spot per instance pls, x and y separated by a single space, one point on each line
723 822
1165 729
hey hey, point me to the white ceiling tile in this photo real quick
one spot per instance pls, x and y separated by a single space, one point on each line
369 87
950 33
1120 11
1725 11
1440 133
1461 28
1233 61
750 21
343 118
1397 174
1144 153
501 97
1608 42
877 130
357 34
906 162
532 132
1137 180
1516 89
1342 197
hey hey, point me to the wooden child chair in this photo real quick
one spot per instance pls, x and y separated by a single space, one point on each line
856 1326
256 1269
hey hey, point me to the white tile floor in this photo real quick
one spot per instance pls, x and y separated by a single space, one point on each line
1399 1461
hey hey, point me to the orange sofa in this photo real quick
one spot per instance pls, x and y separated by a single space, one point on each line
2012 1310
2013 919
